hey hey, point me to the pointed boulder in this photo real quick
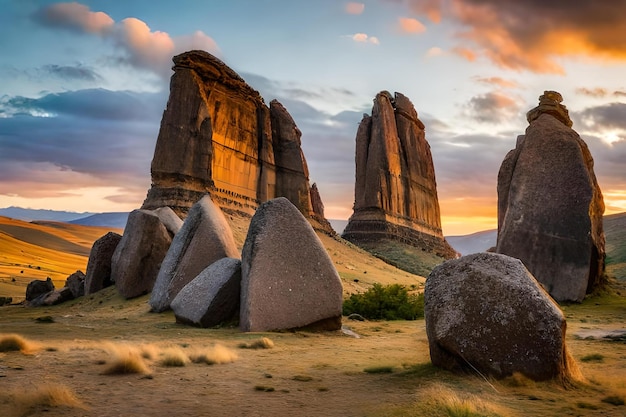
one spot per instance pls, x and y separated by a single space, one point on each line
98 274
204 238
138 256
287 278
212 297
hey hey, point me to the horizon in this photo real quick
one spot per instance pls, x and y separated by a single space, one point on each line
85 84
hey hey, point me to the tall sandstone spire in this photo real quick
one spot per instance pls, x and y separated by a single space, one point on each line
217 136
395 194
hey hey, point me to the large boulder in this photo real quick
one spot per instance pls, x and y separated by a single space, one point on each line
212 297
76 284
550 206
98 274
37 287
56 297
485 312
287 278
137 258
395 194
204 238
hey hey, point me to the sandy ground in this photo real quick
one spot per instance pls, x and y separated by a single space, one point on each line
303 374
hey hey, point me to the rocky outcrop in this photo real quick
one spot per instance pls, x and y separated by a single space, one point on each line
38 287
287 278
485 312
137 258
395 190
217 136
204 238
550 206
98 274
212 297
76 284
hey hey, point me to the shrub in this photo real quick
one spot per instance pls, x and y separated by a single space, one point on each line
390 302
262 343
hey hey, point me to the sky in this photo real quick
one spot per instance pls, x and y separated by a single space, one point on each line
83 86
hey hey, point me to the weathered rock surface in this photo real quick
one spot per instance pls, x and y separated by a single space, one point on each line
76 284
287 278
38 287
98 274
550 208
212 297
486 312
204 238
395 190
217 136
55 297
137 258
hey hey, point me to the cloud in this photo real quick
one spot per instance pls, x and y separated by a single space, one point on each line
429 8
498 82
364 38
354 8
74 16
592 92
434 51
410 25
141 46
533 35
91 138
466 53
71 73
619 93
493 107
605 117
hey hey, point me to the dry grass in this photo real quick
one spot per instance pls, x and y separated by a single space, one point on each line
217 354
125 360
174 356
439 400
30 401
262 343
16 343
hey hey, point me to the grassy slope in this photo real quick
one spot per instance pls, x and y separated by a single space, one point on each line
615 232
38 250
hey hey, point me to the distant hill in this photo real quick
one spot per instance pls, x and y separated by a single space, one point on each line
114 219
615 233
474 243
28 215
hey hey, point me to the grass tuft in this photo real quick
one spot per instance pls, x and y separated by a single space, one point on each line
217 354
31 401
125 360
614 400
16 343
262 343
174 356
593 357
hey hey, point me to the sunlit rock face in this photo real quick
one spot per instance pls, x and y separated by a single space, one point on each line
550 206
395 190
217 136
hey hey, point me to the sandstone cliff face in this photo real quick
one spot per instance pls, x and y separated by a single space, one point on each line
217 136
395 190
550 206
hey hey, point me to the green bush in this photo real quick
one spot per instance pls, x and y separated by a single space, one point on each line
390 302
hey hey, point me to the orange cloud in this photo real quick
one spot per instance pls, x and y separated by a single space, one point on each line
354 8
434 51
468 54
144 47
410 25
497 81
492 107
365 38
532 35
592 92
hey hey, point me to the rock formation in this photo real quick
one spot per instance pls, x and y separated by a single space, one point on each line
204 238
76 284
98 275
38 287
287 278
395 191
137 258
485 312
217 136
212 297
550 206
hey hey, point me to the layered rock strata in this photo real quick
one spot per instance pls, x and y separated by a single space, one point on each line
550 206
395 190
217 136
